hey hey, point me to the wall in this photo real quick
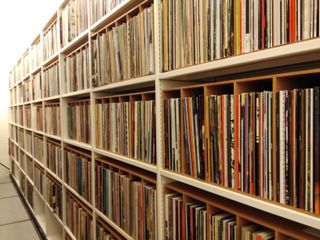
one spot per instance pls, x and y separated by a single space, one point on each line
20 22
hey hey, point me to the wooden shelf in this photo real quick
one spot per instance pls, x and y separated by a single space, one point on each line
133 162
272 208
269 69
70 46
300 52
81 93
114 13
115 226
242 210
127 85
78 144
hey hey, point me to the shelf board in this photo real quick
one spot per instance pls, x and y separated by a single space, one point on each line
41 218
37 100
38 132
28 129
133 162
18 82
125 85
81 37
77 144
52 136
36 70
51 59
82 199
112 224
70 234
26 77
14 124
28 154
308 50
118 11
28 178
85 92
39 163
51 98
19 104
14 141
272 208
48 24
56 177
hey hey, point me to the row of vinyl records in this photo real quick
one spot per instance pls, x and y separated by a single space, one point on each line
36 143
78 130
27 114
28 143
78 218
73 20
103 233
24 65
127 127
35 55
126 198
141 192
192 32
100 8
50 79
192 220
54 196
52 119
77 164
195 32
76 75
17 115
23 116
126 50
78 214
54 157
39 179
28 168
77 70
128 194
50 41
78 171
24 91
79 123
28 90
240 143
38 148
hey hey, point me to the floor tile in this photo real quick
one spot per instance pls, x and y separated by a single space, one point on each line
7 190
17 231
12 210
6 179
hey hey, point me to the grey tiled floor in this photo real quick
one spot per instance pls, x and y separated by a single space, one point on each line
15 223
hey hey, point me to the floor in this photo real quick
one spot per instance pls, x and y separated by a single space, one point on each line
15 223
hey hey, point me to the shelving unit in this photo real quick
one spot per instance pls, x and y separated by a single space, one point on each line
39 145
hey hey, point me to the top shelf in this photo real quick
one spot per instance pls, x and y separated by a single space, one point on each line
303 51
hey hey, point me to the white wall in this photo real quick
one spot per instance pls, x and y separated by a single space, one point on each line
20 22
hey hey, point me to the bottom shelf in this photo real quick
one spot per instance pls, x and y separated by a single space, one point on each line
187 208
